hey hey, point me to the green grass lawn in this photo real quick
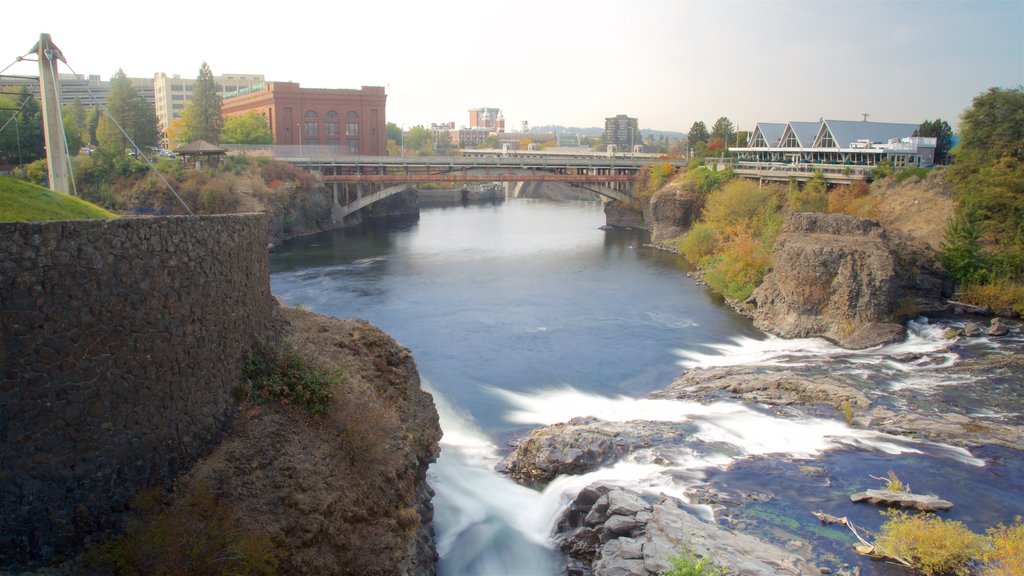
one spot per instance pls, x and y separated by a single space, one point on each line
24 202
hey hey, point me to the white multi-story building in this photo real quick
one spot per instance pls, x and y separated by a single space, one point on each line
172 92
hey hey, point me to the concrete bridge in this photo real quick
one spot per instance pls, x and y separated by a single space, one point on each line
359 181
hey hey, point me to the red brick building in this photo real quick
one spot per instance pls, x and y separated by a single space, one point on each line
352 120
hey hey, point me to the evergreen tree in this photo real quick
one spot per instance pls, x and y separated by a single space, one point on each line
961 250
131 111
723 129
698 133
201 119
22 140
943 135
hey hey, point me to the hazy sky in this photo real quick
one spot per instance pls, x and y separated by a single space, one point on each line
667 63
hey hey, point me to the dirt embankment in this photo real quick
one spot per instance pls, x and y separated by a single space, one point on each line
920 208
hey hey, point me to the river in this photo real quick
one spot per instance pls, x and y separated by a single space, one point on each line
526 313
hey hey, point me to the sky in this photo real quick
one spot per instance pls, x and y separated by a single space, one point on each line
667 63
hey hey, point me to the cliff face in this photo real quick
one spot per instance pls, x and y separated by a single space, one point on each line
848 280
345 493
670 212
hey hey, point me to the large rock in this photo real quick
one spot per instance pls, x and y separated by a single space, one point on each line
582 445
847 279
777 388
641 539
670 213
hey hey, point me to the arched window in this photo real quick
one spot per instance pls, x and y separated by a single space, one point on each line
352 125
331 126
309 127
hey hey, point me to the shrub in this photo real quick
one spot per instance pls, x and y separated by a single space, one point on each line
740 266
699 244
928 543
286 376
199 535
738 201
911 172
811 197
841 199
998 295
687 564
1005 556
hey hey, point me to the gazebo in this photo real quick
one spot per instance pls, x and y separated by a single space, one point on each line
196 150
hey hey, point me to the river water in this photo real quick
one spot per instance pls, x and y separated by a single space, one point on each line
526 313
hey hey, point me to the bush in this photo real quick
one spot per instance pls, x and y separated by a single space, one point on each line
740 267
998 295
811 197
842 198
199 535
687 564
911 172
286 376
1005 556
929 544
699 244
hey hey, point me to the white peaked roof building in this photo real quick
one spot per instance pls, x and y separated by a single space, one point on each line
836 143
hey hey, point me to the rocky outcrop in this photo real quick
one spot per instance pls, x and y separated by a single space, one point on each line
619 215
670 212
777 388
848 280
582 445
347 492
610 531
924 502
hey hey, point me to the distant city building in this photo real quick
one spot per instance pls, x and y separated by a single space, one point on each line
837 142
89 90
623 132
487 118
351 120
469 137
171 93
566 139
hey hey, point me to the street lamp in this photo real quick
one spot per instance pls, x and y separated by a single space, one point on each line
298 130
403 140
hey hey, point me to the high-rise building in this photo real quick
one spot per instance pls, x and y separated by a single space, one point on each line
623 132
353 121
90 90
172 92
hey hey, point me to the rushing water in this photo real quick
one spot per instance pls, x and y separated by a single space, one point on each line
525 313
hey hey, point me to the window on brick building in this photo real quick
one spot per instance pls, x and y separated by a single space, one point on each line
352 124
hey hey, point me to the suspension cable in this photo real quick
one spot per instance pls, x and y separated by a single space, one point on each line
136 147
16 112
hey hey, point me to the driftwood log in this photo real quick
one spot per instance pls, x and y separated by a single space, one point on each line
903 499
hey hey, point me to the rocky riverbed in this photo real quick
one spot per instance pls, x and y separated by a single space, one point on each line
777 413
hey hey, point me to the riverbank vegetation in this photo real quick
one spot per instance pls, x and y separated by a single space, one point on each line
984 246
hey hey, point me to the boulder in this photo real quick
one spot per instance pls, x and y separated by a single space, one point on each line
847 279
582 445
972 330
642 543
997 328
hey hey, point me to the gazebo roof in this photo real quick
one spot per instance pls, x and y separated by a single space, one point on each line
200 148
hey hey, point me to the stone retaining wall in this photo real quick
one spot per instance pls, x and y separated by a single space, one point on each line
122 345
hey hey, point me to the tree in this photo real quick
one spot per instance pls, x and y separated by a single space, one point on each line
419 141
22 140
131 111
943 135
201 118
75 128
989 169
394 132
698 133
723 129
249 128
